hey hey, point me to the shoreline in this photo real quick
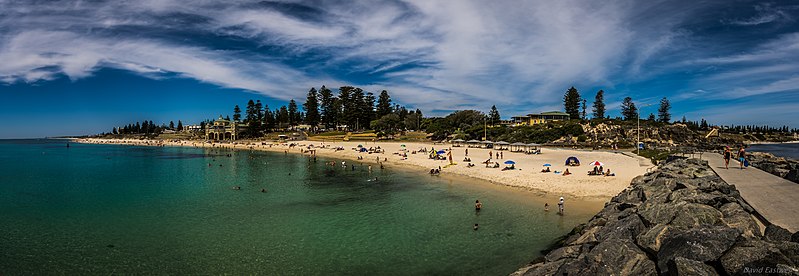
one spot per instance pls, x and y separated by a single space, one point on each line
774 143
526 177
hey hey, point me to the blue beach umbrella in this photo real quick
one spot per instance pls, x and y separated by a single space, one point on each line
441 152
547 165
510 162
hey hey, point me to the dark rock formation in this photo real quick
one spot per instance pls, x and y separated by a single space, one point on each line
679 220
780 166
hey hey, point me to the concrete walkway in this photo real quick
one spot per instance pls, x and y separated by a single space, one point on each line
775 198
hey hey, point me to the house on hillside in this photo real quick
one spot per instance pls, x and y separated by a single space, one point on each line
539 118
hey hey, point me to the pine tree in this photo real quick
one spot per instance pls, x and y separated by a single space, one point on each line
236 113
180 125
369 112
571 103
294 115
328 109
599 105
628 109
493 115
359 109
383 104
347 114
664 115
311 107
251 114
583 115
268 122
283 116
651 117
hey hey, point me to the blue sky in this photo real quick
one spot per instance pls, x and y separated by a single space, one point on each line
80 67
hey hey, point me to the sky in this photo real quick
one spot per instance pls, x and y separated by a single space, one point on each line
83 67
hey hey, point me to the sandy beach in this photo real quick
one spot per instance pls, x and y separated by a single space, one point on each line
527 174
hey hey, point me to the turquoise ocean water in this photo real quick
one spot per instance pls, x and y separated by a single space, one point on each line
109 209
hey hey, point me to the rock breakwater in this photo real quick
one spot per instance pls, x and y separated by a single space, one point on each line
679 219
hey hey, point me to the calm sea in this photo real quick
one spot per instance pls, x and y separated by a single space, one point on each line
785 150
108 209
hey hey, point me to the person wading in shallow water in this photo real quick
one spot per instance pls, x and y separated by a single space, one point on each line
477 205
560 206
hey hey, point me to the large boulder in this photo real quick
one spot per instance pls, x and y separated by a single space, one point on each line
714 198
659 213
625 228
752 255
572 251
776 234
694 215
548 268
653 238
611 257
657 191
736 217
588 237
702 244
683 266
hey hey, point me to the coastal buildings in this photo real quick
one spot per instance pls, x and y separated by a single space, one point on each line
539 118
223 129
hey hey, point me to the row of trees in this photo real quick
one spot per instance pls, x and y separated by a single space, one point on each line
573 102
351 109
143 127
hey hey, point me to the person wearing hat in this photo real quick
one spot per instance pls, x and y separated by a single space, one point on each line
560 206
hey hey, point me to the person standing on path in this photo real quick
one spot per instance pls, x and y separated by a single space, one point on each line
742 156
560 206
727 156
467 152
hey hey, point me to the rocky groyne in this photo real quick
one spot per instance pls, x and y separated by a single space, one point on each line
780 166
681 219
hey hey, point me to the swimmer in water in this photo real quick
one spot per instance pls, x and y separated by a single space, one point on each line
476 226
477 205
263 190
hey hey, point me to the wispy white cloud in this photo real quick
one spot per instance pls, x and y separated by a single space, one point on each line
766 13
435 55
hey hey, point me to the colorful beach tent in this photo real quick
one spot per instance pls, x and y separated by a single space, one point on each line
572 161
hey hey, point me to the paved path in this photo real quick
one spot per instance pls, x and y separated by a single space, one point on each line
775 198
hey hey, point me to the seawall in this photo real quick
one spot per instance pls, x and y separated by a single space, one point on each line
680 219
